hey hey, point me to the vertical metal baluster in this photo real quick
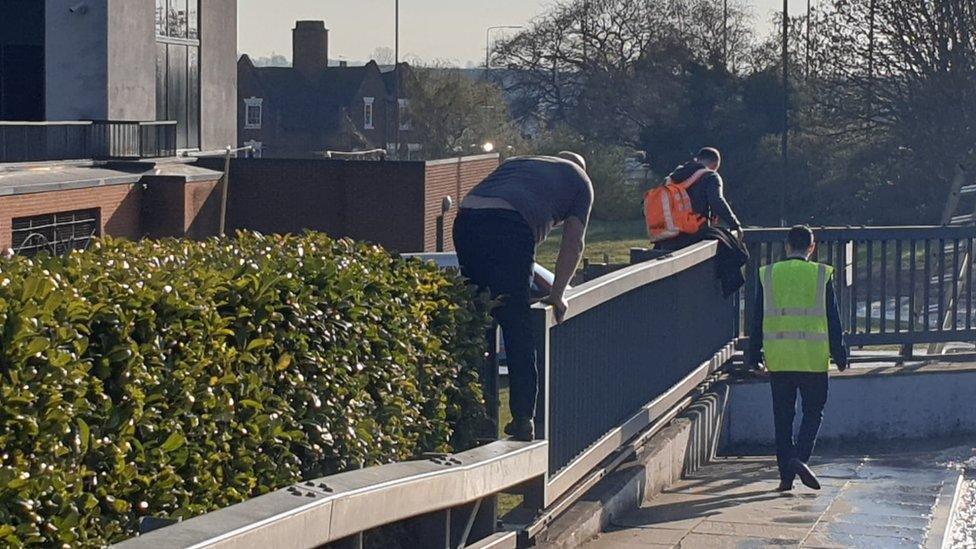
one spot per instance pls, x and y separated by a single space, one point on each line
869 308
912 317
883 300
969 284
855 285
955 284
899 256
942 278
927 302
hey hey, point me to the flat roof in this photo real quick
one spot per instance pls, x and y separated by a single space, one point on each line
51 177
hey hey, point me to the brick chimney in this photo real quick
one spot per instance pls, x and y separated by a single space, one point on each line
310 47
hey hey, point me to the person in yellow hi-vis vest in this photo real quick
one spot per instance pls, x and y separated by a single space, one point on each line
797 327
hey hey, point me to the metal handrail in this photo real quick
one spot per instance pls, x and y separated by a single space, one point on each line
313 513
835 234
46 123
596 292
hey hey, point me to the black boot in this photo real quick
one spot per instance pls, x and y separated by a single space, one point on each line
806 475
785 486
521 429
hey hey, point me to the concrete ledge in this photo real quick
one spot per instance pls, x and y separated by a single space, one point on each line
865 405
689 442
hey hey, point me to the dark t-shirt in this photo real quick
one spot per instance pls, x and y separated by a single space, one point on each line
545 190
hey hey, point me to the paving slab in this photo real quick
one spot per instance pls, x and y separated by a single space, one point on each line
866 501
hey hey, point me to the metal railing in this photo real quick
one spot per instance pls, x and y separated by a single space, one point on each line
339 507
86 140
897 285
629 356
43 141
636 343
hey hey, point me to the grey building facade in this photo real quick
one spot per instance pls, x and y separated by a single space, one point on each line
124 60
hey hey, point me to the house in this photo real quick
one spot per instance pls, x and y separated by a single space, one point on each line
309 108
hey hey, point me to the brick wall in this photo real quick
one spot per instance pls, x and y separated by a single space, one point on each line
155 206
394 204
119 206
377 202
175 207
454 178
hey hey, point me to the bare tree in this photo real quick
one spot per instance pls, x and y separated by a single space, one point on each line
614 64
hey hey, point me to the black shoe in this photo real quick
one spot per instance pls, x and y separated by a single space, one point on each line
521 429
806 475
785 486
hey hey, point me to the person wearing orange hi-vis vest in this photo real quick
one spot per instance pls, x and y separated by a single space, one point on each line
691 200
796 332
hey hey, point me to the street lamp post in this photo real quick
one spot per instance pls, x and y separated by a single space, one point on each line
396 82
488 42
785 142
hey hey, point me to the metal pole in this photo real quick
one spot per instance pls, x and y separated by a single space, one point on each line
725 33
488 43
396 82
223 193
785 143
871 11
809 23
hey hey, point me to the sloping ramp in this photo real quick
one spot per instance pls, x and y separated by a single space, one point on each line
884 502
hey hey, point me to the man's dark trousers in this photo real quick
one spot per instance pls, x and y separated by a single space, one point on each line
813 392
496 250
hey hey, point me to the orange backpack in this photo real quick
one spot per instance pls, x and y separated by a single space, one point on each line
667 209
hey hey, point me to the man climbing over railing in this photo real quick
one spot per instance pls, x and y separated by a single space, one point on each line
496 233
797 327
679 213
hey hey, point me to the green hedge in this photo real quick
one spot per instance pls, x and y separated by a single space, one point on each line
170 378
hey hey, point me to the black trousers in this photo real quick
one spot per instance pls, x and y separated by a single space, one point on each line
496 251
813 393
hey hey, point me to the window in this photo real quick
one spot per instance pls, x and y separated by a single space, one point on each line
178 68
368 113
404 114
253 113
161 17
257 148
55 233
178 19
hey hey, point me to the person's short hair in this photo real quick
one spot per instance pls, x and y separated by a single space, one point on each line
574 158
800 238
710 155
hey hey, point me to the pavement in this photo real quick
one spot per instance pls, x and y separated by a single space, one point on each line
887 501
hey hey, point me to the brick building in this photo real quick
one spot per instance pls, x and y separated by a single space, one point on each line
403 206
56 207
309 108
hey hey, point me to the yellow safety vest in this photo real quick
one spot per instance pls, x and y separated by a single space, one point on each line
795 333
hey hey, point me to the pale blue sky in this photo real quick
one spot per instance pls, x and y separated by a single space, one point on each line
451 30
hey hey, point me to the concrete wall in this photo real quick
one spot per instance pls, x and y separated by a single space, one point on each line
861 407
218 74
131 60
679 449
76 67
